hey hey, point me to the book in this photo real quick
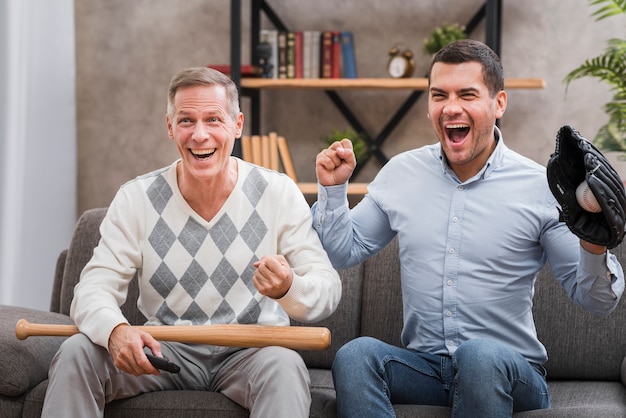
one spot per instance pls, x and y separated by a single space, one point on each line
316 36
282 54
298 55
307 56
326 55
348 60
291 55
336 55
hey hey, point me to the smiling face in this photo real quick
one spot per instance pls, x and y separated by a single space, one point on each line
203 128
463 114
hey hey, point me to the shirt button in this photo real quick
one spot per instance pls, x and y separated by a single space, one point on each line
451 250
460 187
450 342
449 313
455 219
449 282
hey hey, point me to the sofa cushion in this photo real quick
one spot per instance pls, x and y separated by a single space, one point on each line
84 239
189 404
344 324
25 363
581 345
381 310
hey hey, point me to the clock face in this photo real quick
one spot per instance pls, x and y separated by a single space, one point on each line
397 67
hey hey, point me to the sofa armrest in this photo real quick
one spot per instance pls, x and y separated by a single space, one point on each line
25 363
624 371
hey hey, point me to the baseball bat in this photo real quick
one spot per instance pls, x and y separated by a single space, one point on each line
229 335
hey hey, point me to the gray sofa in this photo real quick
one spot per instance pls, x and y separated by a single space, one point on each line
586 369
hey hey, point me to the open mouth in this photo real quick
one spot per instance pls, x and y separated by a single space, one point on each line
203 154
457 132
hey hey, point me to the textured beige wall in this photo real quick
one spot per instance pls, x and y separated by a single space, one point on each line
127 51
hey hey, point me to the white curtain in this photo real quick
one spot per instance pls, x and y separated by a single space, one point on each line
37 145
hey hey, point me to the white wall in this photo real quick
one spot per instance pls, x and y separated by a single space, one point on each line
37 145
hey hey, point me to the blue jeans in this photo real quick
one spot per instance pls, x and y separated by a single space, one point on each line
481 379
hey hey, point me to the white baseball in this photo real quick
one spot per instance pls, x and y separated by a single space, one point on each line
586 199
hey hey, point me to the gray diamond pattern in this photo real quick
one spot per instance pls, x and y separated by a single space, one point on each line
163 280
251 314
248 274
195 315
224 277
254 186
166 315
224 233
192 236
224 314
159 193
193 279
253 231
161 238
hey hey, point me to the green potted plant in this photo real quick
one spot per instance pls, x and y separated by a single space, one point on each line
610 68
359 144
442 36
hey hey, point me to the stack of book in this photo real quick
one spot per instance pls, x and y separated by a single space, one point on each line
310 54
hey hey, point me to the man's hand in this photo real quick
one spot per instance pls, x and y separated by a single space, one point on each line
273 276
126 348
335 164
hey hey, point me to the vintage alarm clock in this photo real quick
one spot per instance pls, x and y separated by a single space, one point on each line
401 62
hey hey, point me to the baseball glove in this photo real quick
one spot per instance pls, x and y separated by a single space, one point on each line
576 159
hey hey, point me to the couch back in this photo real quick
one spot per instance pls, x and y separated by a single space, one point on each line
580 345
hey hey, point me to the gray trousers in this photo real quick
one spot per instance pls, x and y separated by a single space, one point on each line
83 378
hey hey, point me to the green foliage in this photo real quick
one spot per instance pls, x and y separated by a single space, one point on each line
611 8
610 68
359 144
442 36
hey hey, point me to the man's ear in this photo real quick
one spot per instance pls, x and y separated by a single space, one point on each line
501 99
170 133
239 125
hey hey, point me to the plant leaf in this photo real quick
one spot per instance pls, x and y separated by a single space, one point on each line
611 8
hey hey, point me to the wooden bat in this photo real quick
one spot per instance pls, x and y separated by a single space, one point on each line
230 335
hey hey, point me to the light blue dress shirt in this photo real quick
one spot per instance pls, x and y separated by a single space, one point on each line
469 251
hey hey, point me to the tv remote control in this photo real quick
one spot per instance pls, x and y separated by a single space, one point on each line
163 364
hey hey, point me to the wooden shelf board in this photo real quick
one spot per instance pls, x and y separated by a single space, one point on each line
369 83
353 188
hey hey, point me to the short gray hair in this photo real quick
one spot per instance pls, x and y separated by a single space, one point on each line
203 76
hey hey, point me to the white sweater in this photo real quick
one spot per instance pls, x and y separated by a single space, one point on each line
196 272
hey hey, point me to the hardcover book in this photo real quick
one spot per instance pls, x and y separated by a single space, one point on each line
347 55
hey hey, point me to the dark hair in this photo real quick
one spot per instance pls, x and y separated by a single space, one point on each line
203 76
468 50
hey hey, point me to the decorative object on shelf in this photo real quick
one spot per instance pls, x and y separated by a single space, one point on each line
610 68
359 144
401 62
264 52
246 69
442 36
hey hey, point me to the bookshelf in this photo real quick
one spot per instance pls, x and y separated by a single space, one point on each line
414 83
490 11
